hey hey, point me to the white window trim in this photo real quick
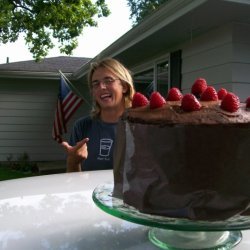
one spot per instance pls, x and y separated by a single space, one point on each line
152 64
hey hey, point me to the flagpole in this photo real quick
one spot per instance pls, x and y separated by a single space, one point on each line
73 87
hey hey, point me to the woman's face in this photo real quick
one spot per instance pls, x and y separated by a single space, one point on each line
108 91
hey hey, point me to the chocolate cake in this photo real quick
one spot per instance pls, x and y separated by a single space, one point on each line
188 164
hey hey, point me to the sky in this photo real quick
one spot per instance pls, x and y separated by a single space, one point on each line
90 43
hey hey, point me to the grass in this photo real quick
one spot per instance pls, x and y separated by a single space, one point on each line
21 169
8 172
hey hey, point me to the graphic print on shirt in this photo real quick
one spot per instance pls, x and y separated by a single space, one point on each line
105 148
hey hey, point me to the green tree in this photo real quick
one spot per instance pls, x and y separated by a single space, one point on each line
45 21
141 8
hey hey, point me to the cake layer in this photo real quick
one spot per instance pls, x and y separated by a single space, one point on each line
184 164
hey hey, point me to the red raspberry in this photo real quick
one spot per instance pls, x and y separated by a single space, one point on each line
174 94
199 87
190 103
156 100
248 102
222 93
209 94
139 100
230 102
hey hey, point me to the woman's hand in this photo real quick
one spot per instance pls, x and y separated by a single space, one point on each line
76 154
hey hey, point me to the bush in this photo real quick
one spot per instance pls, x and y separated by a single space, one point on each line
22 164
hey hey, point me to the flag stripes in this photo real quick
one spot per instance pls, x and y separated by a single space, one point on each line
70 105
67 104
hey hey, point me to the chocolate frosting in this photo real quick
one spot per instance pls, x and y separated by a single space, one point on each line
172 113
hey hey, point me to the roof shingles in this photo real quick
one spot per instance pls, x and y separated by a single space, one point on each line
66 64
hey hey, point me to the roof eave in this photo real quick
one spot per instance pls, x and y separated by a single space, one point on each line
31 75
173 10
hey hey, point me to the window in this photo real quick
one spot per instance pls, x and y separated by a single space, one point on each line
154 78
162 70
144 82
160 75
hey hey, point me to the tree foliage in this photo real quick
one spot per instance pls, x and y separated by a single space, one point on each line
45 21
139 9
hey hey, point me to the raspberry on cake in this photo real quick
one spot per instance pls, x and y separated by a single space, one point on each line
230 102
209 94
248 102
174 94
139 100
156 100
190 103
222 93
199 87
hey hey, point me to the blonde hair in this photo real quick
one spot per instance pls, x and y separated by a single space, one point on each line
121 72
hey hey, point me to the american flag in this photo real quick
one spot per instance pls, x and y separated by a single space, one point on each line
67 104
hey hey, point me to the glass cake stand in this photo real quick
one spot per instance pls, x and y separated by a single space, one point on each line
175 233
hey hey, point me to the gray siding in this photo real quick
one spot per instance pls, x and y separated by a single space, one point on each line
221 57
26 118
241 60
208 56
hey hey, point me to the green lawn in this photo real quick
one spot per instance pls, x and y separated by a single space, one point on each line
7 173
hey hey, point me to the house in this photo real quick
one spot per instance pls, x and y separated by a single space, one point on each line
28 97
181 41
184 40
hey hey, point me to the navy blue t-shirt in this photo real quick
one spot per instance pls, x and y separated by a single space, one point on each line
100 145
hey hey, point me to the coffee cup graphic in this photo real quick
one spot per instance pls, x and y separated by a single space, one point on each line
105 146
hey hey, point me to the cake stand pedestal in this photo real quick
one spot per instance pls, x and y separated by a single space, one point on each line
172 239
175 233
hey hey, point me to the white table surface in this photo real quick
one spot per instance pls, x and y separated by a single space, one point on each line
57 212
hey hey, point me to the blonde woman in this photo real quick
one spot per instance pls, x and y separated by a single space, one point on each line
92 139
